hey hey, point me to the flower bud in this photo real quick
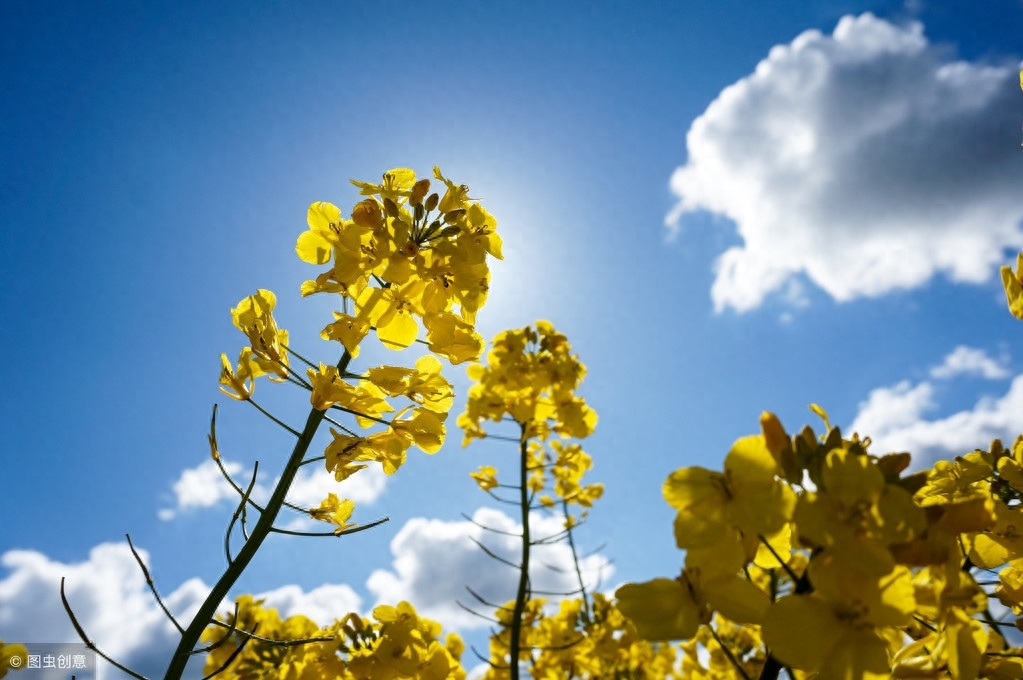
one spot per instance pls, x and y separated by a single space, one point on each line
390 207
367 214
419 190
431 230
452 215
419 212
432 201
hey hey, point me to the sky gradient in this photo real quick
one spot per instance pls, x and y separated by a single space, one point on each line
728 208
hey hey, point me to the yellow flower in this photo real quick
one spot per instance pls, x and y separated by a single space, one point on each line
424 384
455 197
329 388
240 384
746 496
254 317
856 514
396 185
452 337
425 428
486 477
835 629
349 330
661 609
334 511
1011 282
392 311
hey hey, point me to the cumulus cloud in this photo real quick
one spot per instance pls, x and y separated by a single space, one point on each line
201 487
322 605
969 361
895 418
864 161
108 595
204 486
111 600
434 561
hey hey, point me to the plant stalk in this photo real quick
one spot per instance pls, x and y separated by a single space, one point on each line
234 570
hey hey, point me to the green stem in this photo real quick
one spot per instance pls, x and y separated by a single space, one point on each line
234 570
520 596
575 561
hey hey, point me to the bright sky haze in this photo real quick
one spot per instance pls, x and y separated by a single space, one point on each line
728 207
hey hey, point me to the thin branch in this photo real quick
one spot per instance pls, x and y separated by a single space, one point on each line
728 653
496 557
345 532
361 415
477 614
240 510
237 487
273 418
553 538
479 598
484 659
575 562
300 357
279 643
486 528
152 585
555 593
85 638
223 638
350 433
233 655
784 565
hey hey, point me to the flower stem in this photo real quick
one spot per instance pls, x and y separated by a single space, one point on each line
263 527
523 591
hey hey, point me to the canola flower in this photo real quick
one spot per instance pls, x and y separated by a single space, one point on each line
405 261
809 553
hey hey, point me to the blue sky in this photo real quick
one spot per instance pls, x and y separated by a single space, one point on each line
728 207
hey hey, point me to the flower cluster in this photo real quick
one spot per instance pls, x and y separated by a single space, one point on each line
397 644
842 564
427 253
531 376
403 256
586 638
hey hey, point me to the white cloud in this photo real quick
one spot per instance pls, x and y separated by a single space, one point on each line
894 419
312 486
109 597
893 409
863 160
969 361
323 604
434 561
204 486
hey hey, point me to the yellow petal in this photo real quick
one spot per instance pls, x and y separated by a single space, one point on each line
661 609
801 630
750 462
399 333
313 248
737 599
